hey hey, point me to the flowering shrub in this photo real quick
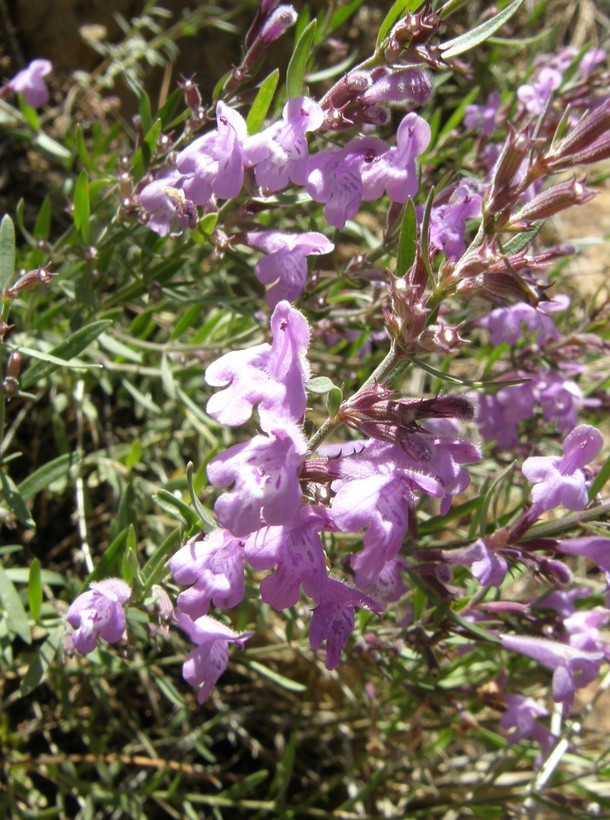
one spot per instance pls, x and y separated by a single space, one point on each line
325 328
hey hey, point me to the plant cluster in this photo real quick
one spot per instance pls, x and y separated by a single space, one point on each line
401 403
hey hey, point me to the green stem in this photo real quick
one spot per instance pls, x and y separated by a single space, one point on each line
382 373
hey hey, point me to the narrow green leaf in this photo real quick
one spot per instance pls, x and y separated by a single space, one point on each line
63 352
600 479
83 153
408 237
207 519
476 36
154 567
458 115
145 112
188 319
177 508
7 252
52 147
42 227
35 589
491 493
42 660
399 7
149 144
82 205
49 358
298 61
262 102
288 684
44 476
521 240
168 109
109 565
15 500
473 629
15 611
343 13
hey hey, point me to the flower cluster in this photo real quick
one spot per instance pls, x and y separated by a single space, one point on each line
335 517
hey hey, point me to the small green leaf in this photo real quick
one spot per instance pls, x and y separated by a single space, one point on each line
63 352
343 13
42 660
600 479
154 567
7 252
51 146
83 153
168 109
492 493
517 243
145 112
109 565
271 675
13 608
207 519
262 102
188 319
42 227
177 508
298 61
476 36
320 385
35 589
129 564
399 7
82 205
408 237
15 500
44 476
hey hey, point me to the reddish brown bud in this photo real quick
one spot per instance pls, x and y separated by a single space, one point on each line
30 280
550 202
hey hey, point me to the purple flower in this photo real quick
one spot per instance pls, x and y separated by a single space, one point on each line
333 619
572 668
505 324
336 177
295 549
168 208
520 717
205 664
99 611
560 480
535 96
482 118
584 632
448 220
30 83
214 565
263 474
285 266
213 164
279 153
595 547
394 171
270 376
487 567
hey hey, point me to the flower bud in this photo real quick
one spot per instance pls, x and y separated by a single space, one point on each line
514 151
30 280
550 202
192 96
